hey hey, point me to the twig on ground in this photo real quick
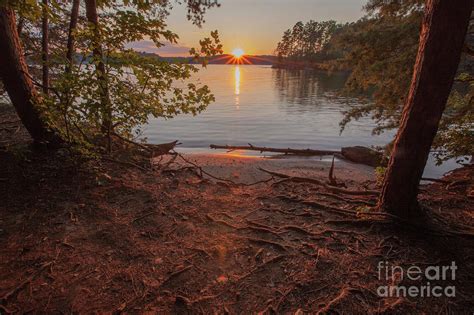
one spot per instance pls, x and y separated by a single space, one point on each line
175 274
261 266
210 218
144 216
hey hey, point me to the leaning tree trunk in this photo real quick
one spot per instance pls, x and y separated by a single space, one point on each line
17 81
441 41
45 47
92 18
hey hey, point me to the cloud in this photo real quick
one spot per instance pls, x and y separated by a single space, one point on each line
168 50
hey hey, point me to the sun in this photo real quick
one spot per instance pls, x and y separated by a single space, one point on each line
238 52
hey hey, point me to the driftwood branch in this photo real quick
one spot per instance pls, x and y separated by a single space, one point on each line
154 149
356 154
276 150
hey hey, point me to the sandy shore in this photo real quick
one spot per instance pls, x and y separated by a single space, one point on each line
242 168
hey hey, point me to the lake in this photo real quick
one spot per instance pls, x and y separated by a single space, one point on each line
275 108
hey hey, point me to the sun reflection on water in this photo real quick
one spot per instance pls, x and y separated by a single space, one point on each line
237 80
237 86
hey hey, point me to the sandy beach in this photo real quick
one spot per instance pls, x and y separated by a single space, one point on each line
242 168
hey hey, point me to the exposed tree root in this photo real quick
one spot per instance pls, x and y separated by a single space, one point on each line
202 172
261 241
342 294
210 218
348 200
261 266
318 182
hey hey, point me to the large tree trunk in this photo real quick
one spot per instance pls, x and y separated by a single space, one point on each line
71 37
17 82
441 41
45 47
92 17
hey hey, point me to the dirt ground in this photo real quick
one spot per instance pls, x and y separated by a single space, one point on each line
96 237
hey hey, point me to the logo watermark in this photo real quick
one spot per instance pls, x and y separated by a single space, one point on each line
424 276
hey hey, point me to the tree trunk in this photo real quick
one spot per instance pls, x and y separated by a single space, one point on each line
45 47
71 37
17 82
92 17
67 101
441 41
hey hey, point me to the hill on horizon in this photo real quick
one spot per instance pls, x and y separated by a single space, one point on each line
222 59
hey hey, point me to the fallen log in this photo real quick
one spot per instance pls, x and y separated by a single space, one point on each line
356 154
162 149
362 155
276 150
154 149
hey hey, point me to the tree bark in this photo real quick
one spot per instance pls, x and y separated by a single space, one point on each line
441 41
92 17
45 47
71 36
17 81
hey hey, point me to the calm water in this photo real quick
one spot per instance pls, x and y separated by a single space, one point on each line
271 107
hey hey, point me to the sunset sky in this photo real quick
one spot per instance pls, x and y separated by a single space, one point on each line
255 26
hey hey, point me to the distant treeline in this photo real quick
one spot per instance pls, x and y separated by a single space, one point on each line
309 44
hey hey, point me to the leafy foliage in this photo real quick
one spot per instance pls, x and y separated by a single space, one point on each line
138 86
307 41
380 51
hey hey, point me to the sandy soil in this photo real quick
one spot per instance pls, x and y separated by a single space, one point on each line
244 169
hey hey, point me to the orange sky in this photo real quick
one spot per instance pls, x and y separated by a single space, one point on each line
255 26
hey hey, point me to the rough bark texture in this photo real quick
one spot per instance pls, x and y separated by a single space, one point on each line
441 41
45 47
15 77
71 37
